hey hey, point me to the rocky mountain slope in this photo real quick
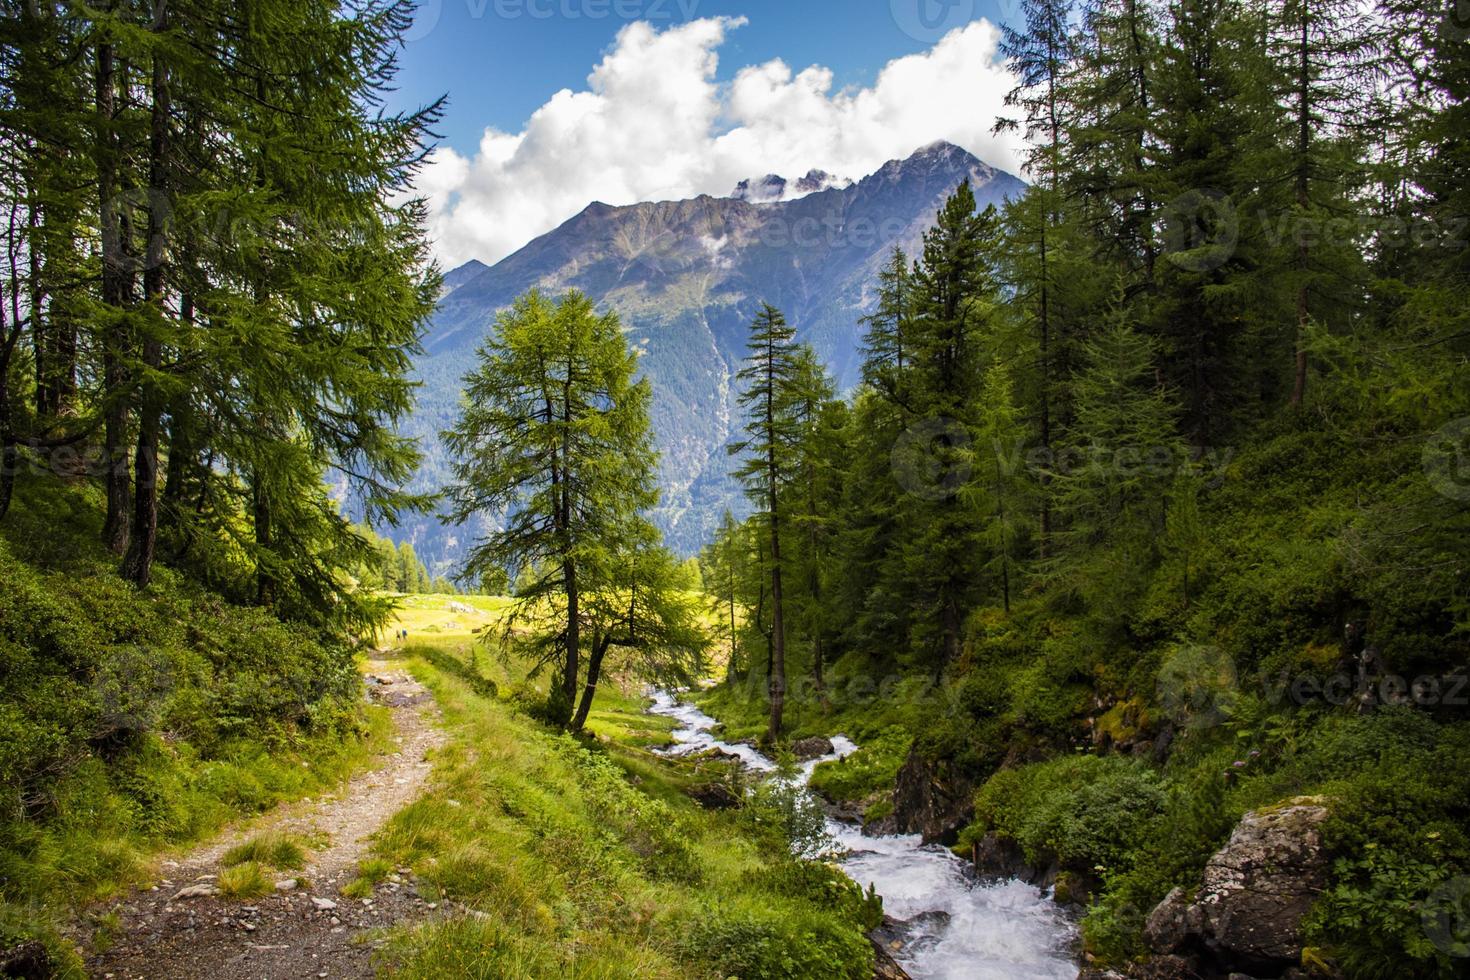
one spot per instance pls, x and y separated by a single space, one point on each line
687 277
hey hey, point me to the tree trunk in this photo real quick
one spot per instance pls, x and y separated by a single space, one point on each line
138 564
265 581
776 682
116 287
569 568
9 455
589 691
1303 200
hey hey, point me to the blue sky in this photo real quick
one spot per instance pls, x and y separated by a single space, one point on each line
499 60
555 104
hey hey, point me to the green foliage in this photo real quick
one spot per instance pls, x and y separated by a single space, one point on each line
782 809
1089 813
773 944
575 863
130 725
871 769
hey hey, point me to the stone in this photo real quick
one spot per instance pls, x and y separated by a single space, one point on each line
1256 890
714 796
27 960
806 749
323 904
286 885
932 798
1171 923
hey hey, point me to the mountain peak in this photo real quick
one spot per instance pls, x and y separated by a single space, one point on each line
773 188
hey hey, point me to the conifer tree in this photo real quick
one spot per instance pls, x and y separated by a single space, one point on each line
770 379
554 438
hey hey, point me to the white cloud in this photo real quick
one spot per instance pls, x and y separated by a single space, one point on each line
654 124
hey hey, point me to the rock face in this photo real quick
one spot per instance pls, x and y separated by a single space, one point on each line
806 749
885 967
29 961
932 799
1256 890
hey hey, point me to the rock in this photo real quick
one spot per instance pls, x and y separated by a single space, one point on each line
287 885
1171 923
806 749
323 904
1073 888
196 891
714 796
932 799
885 967
1001 857
29 961
1168 968
1256 891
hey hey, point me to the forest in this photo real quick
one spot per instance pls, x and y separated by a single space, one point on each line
1150 510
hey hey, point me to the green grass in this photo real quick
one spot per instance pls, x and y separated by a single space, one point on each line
582 858
133 724
246 880
273 850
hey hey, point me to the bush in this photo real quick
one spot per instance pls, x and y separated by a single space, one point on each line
873 768
776 943
1086 811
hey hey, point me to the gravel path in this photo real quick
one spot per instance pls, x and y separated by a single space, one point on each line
312 931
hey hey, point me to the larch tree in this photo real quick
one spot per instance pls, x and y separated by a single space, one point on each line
553 440
769 380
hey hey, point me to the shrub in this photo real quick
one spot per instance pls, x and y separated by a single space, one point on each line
776 943
871 769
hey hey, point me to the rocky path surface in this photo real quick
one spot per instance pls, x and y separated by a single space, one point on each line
182 928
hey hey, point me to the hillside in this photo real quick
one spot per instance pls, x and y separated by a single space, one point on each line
687 277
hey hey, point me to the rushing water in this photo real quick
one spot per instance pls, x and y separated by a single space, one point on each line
960 928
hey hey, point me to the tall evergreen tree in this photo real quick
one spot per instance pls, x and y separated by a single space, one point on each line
769 380
554 437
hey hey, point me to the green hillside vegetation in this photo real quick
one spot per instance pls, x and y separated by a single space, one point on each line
587 859
133 724
1145 516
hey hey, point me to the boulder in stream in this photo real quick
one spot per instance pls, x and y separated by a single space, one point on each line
932 798
806 749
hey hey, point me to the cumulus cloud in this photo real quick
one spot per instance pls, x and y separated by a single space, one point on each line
655 124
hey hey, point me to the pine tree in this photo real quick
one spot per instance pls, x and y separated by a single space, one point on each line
770 401
1001 492
1114 477
554 437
